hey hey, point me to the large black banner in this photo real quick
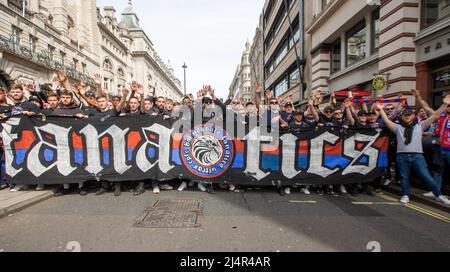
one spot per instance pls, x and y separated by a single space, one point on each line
63 150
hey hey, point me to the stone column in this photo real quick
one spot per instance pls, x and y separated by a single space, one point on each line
423 81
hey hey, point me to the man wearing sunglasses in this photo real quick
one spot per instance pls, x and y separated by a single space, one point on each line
326 117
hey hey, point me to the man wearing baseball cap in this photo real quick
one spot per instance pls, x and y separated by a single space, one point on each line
410 155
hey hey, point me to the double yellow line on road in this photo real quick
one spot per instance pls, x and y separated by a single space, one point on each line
417 208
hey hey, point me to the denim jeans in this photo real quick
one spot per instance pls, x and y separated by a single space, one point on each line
445 159
2 167
155 183
2 173
417 163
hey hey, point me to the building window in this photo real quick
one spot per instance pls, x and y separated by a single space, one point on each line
33 42
107 65
294 78
70 27
84 68
336 56
16 36
433 11
441 80
63 57
375 31
106 83
51 52
281 87
75 63
120 73
323 4
356 43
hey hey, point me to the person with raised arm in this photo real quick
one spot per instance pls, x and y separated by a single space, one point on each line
410 155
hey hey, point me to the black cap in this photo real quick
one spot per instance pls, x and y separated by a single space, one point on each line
289 104
115 97
299 112
408 111
372 112
34 98
249 103
362 112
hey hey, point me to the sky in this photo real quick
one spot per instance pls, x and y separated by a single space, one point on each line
209 35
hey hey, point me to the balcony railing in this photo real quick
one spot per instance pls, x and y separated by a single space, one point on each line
17 6
43 58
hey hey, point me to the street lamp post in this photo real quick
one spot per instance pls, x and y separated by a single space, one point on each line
184 68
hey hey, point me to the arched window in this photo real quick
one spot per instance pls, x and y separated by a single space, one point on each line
70 27
107 65
120 73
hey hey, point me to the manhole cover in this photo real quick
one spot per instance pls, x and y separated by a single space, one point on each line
171 213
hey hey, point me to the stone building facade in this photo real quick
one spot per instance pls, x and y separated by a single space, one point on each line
45 36
285 48
404 41
257 61
48 35
241 84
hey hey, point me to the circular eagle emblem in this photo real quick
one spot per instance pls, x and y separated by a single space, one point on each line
379 83
207 151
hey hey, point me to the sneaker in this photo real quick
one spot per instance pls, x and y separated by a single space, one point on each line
387 182
354 191
100 191
156 190
444 200
330 190
40 187
117 190
287 190
182 186
19 188
83 192
405 199
166 187
429 195
201 187
140 189
342 189
232 187
368 189
60 192
305 191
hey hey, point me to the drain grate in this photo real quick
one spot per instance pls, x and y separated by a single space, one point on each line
171 213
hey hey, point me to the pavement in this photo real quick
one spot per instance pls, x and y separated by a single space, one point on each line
11 202
417 195
255 221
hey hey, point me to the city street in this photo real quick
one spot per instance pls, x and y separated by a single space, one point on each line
259 220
